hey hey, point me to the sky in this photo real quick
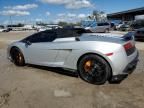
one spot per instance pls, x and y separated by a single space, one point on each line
53 11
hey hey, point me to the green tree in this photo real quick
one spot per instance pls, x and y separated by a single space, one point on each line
63 24
20 25
97 15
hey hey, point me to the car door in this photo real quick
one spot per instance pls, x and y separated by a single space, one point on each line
42 49
99 27
64 48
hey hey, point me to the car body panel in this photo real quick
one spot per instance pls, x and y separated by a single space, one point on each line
46 50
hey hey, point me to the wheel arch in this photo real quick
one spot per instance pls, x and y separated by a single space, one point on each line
14 47
97 55
17 48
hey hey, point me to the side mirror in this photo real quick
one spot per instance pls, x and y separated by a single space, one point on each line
28 43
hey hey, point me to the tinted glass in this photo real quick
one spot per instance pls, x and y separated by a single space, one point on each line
45 36
100 24
106 24
31 38
75 32
103 24
62 33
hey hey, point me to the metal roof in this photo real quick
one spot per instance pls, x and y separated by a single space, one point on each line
127 11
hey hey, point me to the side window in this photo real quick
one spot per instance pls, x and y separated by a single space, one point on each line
45 36
103 24
100 24
106 24
33 38
64 33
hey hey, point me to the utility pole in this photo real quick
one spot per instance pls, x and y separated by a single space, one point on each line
10 20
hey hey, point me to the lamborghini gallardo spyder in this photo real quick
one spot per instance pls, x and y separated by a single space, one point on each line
96 57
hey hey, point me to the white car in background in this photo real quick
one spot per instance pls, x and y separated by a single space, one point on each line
100 28
4 29
1 29
44 28
118 26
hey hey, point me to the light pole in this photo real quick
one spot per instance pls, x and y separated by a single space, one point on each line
10 20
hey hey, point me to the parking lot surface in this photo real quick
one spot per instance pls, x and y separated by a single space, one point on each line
41 87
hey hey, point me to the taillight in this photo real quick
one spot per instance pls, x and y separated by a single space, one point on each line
128 46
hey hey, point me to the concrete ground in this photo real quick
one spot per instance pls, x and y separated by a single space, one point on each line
37 87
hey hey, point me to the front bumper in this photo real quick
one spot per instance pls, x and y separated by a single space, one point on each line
128 70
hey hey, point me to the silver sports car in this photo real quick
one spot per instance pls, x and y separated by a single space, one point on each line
96 58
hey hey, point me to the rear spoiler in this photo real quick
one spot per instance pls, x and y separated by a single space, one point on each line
128 36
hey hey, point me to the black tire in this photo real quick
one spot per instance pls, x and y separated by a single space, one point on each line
17 57
100 70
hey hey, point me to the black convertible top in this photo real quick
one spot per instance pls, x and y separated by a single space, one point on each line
50 35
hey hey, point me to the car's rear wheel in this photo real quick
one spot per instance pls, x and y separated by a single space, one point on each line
17 57
94 69
106 30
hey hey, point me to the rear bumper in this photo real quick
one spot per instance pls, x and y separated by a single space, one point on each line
131 66
128 70
118 78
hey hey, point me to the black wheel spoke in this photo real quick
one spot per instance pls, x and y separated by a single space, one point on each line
89 77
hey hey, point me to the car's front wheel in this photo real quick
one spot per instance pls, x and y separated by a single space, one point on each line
94 69
17 57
